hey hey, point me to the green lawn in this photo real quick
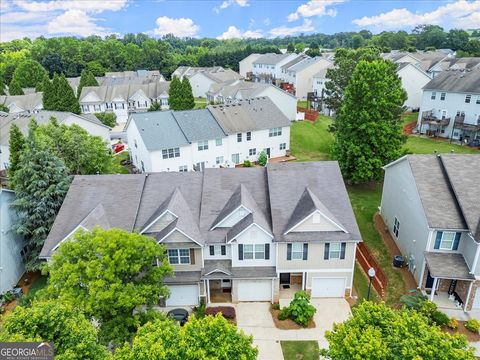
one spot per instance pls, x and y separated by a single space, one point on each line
407 118
296 350
361 281
421 145
200 103
38 284
311 141
302 103
118 168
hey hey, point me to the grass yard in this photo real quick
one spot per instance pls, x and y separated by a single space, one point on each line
311 141
421 145
360 282
200 103
302 103
407 118
118 168
296 350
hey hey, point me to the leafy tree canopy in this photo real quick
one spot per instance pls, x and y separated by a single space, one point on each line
58 95
86 79
107 118
28 74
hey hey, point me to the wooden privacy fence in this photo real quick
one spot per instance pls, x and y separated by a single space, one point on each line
367 261
310 115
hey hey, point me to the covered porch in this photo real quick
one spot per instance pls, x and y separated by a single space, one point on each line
217 280
290 283
448 281
431 125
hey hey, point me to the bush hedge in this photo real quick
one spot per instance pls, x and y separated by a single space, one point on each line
228 312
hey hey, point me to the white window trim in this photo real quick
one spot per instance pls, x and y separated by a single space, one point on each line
254 251
178 256
330 257
296 251
453 240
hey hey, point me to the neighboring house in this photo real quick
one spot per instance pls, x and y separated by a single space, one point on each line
319 79
288 76
227 93
11 245
124 99
268 67
246 65
450 105
413 80
231 234
22 104
431 205
218 136
301 74
88 122
202 78
428 61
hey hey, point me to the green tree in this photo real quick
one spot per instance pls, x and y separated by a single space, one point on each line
111 286
16 147
41 183
188 101
290 48
357 41
64 141
207 338
41 86
262 158
338 77
155 106
175 94
457 39
107 118
368 129
86 79
62 96
73 336
377 332
28 74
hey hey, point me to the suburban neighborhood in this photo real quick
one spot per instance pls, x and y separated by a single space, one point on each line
302 186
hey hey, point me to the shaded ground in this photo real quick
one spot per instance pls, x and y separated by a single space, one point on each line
288 324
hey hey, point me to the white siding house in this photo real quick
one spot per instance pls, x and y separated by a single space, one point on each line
413 80
246 65
268 67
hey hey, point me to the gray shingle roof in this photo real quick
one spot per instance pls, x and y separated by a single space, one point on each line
306 63
27 102
456 81
271 58
448 266
299 58
198 125
107 93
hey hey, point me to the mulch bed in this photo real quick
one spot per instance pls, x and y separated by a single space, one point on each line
288 324
471 336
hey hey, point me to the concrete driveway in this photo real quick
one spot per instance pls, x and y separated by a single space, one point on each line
255 319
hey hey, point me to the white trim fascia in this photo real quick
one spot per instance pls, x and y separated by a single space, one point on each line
307 217
248 227
353 268
156 219
339 277
181 232
218 270
279 271
395 162
477 254
69 235
229 215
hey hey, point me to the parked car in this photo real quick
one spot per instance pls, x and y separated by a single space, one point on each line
118 147
181 315
474 143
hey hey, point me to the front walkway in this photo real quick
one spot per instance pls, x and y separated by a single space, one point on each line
255 319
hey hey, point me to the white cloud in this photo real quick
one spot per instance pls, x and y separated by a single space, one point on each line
182 27
94 6
75 22
21 17
285 30
227 3
235 33
11 32
461 13
315 8
4 5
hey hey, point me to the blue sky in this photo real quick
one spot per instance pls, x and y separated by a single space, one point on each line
226 18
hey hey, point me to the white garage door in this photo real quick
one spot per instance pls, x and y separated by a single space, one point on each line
183 295
255 290
476 301
328 287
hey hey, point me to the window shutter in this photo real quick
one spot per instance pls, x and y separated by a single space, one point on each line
212 250
267 251
305 251
342 251
240 251
438 239
289 251
456 241
192 256
326 253
224 250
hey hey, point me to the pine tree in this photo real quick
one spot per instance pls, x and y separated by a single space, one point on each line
41 183
27 75
14 88
86 79
16 147
59 96
47 96
188 101
175 94
44 83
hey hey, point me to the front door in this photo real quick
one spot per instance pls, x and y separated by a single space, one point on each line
267 151
284 278
429 283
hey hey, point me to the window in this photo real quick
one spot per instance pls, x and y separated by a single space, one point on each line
249 136
108 105
442 96
218 250
274 132
447 240
297 251
239 137
434 95
135 142
256 251
396 227
283 146
171 153
179 256
96 107
203 145
335 251
84 108
143 165
236 158
252 152
218 142
468 98
478 100
183 168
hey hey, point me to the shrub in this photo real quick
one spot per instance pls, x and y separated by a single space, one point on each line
414 300
300 310
200 310
452 324
8 296
276 306
247 163
439 318
428 308
283 314
107 118
228 312
262 158
473 325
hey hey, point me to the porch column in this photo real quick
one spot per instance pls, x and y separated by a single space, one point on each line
304 280
434 287
208 291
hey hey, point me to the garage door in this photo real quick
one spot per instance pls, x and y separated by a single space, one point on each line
183 295
255 290
476 301
328 287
